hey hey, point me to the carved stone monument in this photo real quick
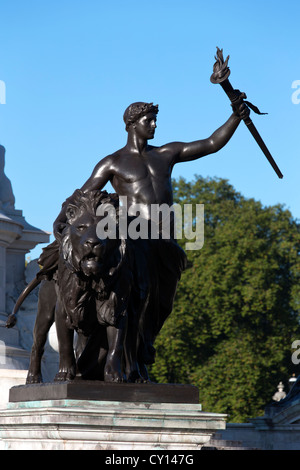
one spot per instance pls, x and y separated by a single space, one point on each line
17 238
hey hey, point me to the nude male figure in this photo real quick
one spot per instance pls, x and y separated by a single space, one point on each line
142 173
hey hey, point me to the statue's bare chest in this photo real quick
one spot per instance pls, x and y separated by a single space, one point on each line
132 169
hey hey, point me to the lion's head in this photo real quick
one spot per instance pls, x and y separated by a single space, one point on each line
81 248
91 264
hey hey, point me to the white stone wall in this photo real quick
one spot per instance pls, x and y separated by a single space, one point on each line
17 238
2 276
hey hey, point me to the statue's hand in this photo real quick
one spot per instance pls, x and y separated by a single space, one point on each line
239 107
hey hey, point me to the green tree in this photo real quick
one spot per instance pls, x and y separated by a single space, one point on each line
236 312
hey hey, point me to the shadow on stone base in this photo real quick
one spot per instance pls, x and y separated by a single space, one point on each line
103 391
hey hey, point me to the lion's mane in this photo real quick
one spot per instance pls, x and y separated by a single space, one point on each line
107 295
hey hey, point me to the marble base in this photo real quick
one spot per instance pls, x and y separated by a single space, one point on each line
8 379
106 425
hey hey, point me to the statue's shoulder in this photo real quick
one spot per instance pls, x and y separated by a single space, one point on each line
109 161
113 159
168 150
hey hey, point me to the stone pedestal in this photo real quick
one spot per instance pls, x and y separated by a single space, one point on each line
94 415
79 389
76 424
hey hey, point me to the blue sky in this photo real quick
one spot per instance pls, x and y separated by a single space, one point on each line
72 67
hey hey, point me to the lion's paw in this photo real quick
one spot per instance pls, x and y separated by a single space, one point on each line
115 377
34 378
64 376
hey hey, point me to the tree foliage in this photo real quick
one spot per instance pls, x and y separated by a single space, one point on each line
236 312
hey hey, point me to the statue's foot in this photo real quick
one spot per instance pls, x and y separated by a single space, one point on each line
144 373
114 378
112 370
135 377
33 378
64 375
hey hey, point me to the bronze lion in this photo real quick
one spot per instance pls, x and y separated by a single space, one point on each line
87 286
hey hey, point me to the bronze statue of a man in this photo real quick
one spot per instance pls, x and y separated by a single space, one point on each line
142 173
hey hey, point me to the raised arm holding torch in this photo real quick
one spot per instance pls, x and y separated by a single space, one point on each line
220 75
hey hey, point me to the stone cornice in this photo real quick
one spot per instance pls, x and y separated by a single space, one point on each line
10 230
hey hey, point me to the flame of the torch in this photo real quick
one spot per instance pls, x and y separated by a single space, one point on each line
221 70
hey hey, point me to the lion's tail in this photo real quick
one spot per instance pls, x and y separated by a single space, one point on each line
12 319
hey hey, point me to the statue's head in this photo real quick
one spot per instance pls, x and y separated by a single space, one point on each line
137 110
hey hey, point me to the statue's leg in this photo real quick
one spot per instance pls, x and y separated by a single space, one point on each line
65 335
116 337
146 306
43 323
133 373
80 342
